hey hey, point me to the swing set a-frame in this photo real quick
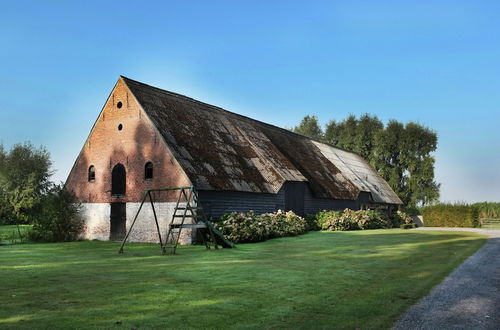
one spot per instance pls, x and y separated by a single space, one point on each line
187 206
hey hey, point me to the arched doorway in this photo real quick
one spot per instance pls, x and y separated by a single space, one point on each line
118 180
118 216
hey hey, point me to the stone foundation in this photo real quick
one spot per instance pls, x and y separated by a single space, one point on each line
97 222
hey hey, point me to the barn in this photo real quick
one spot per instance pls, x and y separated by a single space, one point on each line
147 138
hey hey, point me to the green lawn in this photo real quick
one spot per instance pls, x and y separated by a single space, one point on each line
10 234
490 223
359 279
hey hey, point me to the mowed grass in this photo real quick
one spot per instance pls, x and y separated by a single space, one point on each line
490 223
10 234
359 279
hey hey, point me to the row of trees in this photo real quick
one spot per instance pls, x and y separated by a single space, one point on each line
401 153
27 196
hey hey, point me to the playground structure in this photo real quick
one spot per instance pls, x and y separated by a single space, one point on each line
186 207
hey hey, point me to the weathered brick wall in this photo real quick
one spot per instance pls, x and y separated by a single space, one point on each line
133 146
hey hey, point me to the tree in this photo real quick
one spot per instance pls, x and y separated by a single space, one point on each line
309 126
59 220
24 179
417 145
367 127
386 156
5 209
401 153
332 133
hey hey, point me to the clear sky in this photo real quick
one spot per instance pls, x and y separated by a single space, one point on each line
435 62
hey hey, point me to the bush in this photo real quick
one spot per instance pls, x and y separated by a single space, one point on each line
324 218
451 215
488 209
249 227
351 220
408 225
400 218
312 223
59 220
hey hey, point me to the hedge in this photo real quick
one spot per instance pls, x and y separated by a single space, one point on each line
451 215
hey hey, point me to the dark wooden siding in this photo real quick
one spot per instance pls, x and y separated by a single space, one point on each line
216 203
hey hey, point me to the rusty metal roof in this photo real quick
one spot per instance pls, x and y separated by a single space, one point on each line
221 150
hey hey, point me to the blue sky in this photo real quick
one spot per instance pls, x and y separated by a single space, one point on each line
435 62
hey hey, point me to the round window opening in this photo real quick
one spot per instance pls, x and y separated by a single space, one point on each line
119 105
120 127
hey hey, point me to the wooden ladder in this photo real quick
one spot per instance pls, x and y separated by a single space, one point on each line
187 206
191 210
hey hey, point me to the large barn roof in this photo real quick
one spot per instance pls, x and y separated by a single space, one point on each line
221 150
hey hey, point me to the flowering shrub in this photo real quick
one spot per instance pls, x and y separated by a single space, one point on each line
351 220
324 218
249 227
399 218
242 227
281 224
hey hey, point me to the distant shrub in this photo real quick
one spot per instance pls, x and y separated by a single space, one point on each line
59 220
412 210
488 209
352 220
250 227
399 218
408 225
451 215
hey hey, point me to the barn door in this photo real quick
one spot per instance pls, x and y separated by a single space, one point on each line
294 197
118 222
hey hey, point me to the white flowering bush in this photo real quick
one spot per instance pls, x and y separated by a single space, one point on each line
352 220
250 227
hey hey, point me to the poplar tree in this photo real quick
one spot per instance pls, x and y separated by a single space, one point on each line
309 126
401 153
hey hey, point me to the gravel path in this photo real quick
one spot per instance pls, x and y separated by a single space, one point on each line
469 298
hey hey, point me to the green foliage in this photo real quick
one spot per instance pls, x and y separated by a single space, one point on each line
14 234
309 126
401 153
250 227
488 209
451 215
353 134
24 179
400 218
324 216
412 210
351 220
312 223
408 225
59 220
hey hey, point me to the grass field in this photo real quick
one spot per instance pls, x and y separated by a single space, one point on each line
490 223
359 279
10 234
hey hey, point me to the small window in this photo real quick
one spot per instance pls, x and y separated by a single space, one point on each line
148 171
91 173
119 105
120 127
